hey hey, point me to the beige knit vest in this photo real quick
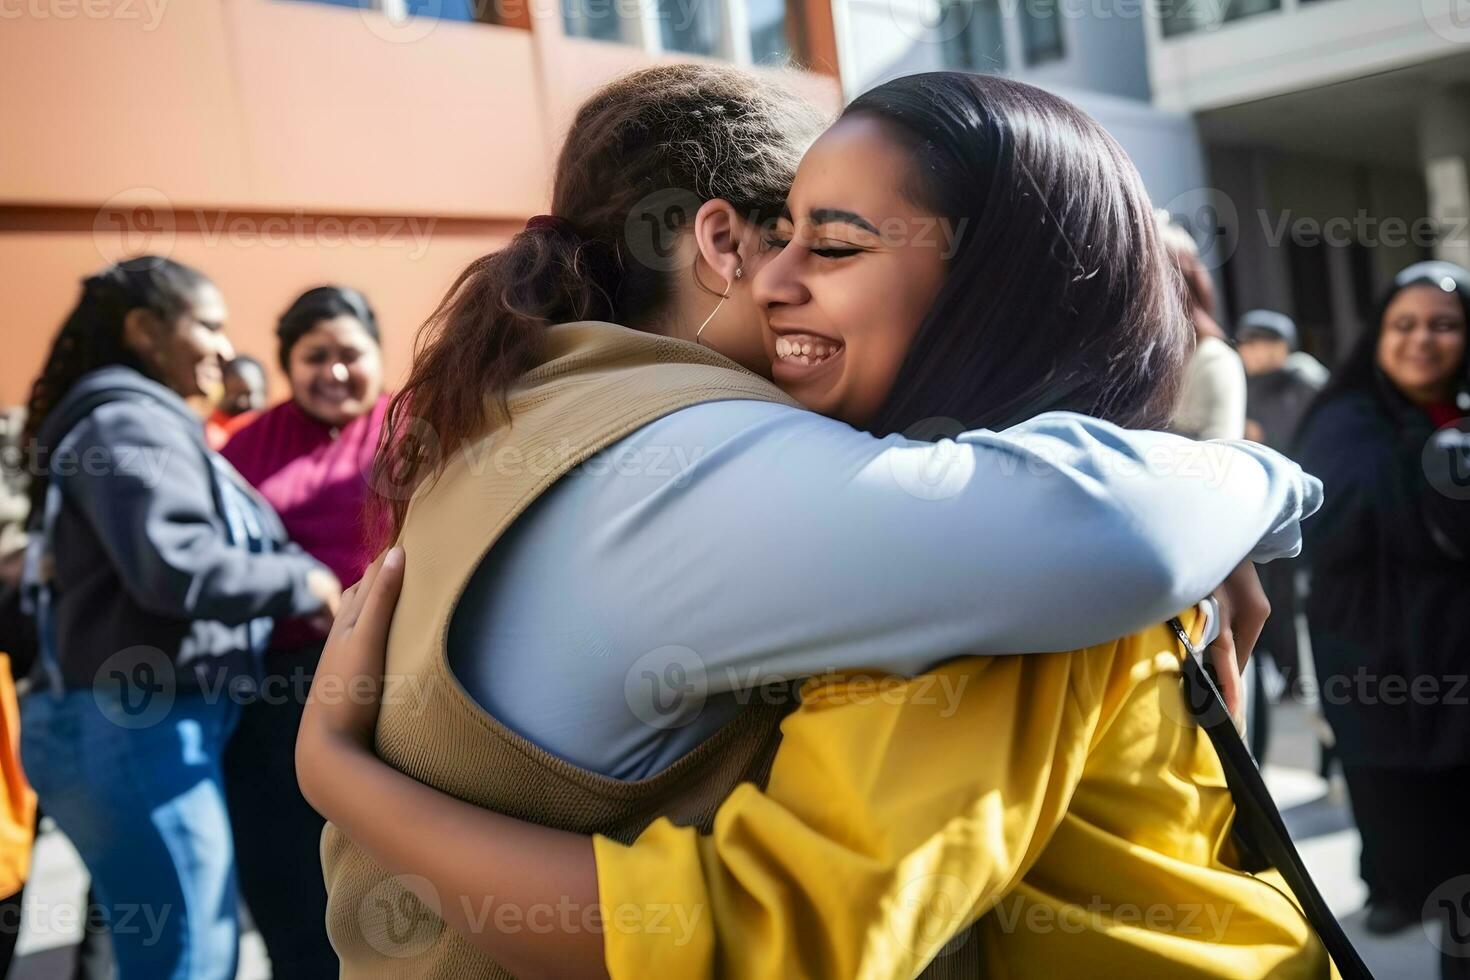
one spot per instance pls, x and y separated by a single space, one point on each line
594 383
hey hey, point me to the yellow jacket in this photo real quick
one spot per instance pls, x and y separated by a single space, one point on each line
1068 798
17 799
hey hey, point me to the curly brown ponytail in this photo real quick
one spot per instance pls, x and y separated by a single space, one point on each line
641 155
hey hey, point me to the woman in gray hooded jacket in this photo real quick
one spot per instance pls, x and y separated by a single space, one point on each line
154 573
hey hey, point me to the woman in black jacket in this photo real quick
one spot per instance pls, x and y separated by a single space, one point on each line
155 573
1389 609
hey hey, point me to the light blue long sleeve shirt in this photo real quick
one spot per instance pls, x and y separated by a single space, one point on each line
650 593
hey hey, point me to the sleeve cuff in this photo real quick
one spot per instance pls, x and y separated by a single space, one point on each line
657 920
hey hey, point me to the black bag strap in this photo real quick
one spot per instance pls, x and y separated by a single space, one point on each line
1259 828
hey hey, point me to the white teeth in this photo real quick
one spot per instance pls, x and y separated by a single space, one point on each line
804 352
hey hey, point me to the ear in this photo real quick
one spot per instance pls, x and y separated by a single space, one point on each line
722 237
140 333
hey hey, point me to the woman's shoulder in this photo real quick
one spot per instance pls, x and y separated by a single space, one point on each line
711 420
1346 432
1347 410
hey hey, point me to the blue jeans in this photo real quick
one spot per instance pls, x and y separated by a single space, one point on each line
145 809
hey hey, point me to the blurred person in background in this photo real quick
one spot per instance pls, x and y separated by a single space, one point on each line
1212 398
241 400
1280 382
308 457
1212 402
154 571
1388 611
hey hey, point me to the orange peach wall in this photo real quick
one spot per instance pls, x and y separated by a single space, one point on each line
260 260
276 145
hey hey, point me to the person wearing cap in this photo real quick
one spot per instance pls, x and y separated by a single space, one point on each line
1390 625
1281 382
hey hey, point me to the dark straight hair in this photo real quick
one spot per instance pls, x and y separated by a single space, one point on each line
1058 295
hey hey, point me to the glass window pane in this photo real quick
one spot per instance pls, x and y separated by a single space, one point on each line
1041 31
1235 9
595 19
443 9
972 35
691 26
768 41
1186 16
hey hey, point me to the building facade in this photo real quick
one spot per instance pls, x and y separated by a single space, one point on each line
1336 135
281 144
1093 52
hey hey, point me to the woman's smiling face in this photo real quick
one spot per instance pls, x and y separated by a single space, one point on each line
859 266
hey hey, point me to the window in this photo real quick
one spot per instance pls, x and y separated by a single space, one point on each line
1041 31
768 41
441 9
595 19
691 26
972 35
1186 16
743 31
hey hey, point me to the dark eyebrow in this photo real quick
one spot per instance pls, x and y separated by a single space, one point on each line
822 216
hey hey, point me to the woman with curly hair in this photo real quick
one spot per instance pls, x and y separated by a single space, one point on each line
156 572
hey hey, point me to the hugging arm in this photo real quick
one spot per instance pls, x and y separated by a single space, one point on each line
861 798
835 550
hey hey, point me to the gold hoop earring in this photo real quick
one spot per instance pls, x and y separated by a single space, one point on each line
739 273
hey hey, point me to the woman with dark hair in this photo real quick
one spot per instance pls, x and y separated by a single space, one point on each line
625 648
156 572
309 457
1390 564
1212 401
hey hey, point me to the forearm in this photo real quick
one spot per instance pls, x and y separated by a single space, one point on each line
1052 535
466 863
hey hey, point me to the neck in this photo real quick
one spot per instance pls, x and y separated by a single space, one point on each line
1429 395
